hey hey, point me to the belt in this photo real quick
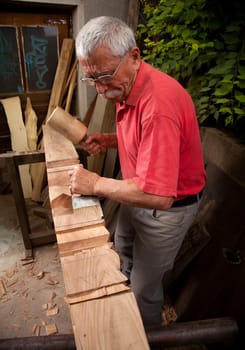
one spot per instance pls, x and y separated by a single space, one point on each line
187 200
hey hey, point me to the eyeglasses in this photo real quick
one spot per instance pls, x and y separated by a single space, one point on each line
104 79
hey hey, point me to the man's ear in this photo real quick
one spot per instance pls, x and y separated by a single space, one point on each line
134 54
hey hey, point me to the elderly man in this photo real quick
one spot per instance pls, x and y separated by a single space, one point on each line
160 153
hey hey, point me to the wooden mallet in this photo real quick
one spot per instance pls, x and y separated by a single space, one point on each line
70 127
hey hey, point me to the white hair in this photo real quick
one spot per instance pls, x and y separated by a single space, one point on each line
106 31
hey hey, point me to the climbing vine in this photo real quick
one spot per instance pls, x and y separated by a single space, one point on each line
202 44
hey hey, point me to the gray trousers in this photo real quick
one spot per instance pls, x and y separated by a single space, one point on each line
148 241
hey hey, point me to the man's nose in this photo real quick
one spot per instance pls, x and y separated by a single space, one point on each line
101 88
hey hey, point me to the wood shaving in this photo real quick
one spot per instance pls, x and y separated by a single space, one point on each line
5 298
51 281
51 329
10 273
2 288
53 311
53 295
51 305
36 329
40 275
27 261
11 283
45 306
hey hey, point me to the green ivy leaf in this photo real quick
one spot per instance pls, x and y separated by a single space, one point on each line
225 89
239 111
225 110
212 82
222 100
239 97
228 120
227 78
241 84
219 70
205 89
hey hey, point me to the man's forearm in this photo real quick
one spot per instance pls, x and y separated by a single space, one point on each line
126 192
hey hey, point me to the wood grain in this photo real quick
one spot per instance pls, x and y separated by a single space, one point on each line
91 269
58 149
73 241
109 323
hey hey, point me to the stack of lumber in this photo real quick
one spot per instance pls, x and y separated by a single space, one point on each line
64 82
103 310
24 136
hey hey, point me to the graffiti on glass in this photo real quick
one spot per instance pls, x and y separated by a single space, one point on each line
37 60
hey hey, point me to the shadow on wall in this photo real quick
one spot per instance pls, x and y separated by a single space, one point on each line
213 283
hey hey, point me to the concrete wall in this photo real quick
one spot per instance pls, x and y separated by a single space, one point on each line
83 11
225 190
213 285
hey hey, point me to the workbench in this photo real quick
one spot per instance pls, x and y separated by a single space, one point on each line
11 161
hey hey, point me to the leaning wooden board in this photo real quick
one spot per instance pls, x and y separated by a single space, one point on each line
12 107
104 311
62 72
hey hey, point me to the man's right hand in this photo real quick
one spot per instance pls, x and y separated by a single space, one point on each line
98 143
94 144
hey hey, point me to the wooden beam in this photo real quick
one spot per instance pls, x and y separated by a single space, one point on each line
133 14
104 312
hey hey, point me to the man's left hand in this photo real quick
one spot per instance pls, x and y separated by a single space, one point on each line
82 181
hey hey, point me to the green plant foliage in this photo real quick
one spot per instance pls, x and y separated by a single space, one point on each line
201 43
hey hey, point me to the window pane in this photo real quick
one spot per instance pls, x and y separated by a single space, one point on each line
41 56
10 75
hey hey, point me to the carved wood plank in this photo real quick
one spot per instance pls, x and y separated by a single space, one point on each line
77 218
59 151
104 313
73 241
98 293
108 323
91 269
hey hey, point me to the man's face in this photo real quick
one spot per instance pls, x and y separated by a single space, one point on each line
114 76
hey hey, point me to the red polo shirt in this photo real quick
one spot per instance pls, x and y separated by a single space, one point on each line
158 136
